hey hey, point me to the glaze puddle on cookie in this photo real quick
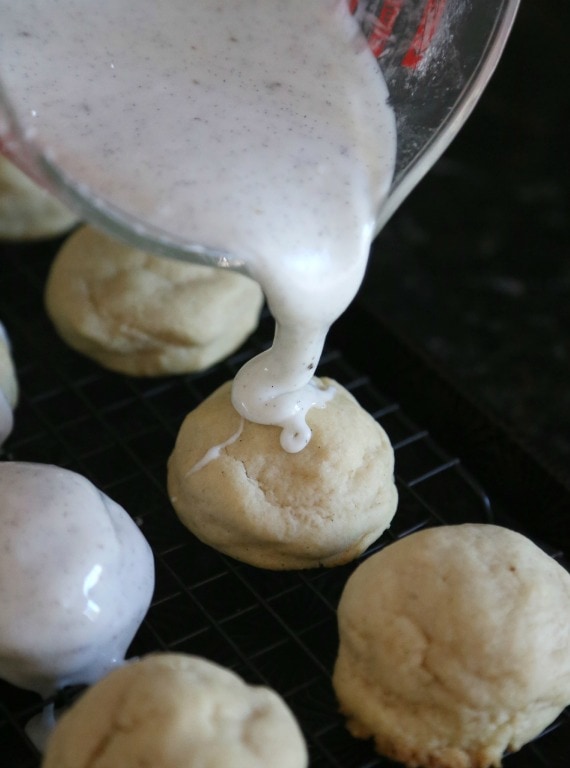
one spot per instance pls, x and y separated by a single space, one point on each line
215 451
260 130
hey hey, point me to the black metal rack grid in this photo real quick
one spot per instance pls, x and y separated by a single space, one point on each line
275 628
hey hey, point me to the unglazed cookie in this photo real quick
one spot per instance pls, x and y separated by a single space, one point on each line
176 711
8 387
232 484
146 315
28 212
454 646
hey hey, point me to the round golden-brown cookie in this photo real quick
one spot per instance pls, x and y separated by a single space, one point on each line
8 387
146 315
454 646
28 212
232 484
176 711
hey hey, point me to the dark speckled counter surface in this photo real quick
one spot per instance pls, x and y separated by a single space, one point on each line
474 269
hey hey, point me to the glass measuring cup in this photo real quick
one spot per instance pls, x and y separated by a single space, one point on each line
436 56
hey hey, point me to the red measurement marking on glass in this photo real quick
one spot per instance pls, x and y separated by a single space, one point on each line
7 143
384 25
424 33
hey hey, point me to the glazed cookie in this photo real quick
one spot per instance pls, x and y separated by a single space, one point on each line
146 315
454 646
176 711
8 387
76 578
232 484
28 212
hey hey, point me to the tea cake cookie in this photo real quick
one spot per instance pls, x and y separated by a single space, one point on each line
171 710
232 484
28 212
454 646
8 387
146 315
76 578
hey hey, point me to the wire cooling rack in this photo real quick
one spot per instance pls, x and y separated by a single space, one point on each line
274 628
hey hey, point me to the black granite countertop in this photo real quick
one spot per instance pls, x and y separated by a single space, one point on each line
474 269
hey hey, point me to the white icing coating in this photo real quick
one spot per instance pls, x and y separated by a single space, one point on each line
214 452
6 418
260 130
76 578
6 412
40 727
4 335
276 403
